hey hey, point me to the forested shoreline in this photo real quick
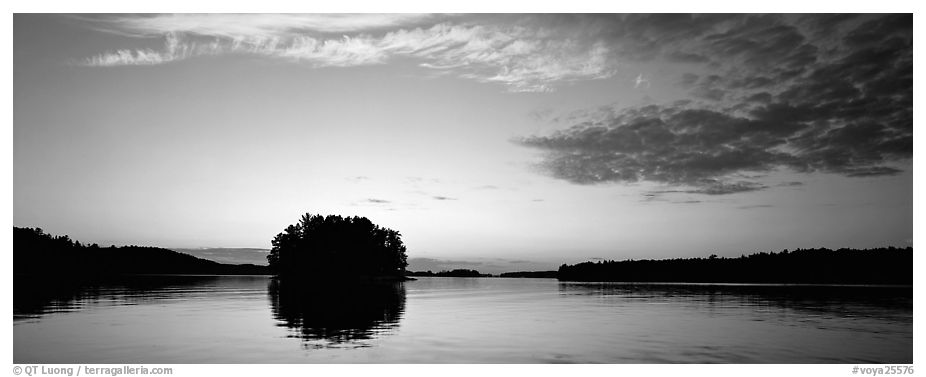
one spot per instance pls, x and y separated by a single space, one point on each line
38 253
308 249
888 265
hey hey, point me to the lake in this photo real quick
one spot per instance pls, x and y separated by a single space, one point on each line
256 319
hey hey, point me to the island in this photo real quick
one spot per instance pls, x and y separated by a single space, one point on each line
349 248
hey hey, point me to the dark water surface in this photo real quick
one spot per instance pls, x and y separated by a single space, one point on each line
255 319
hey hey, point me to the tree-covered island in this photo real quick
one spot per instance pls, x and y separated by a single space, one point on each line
334 246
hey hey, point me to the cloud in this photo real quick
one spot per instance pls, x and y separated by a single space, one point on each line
707 88
378 201
842 108
129 57
756 206
251 25
522 57
748 54
438 197
704 148
172 51
722 188
640 80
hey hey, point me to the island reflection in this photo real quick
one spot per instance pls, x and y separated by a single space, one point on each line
338 314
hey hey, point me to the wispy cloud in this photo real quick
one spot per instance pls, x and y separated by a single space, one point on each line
756 206
129 57
173 50
240 26
522 57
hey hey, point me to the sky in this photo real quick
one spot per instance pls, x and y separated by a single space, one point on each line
506 141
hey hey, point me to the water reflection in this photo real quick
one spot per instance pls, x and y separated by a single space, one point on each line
339 314
35 296
253 319
823 299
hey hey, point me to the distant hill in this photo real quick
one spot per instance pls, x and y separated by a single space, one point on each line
484 265
38 253
802 266
228 255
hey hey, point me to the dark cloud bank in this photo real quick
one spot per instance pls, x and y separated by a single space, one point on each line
831 93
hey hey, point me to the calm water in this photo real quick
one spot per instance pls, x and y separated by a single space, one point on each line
189 319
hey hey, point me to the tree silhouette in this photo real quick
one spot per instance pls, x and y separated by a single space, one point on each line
885 265
324 246
457 273
38 253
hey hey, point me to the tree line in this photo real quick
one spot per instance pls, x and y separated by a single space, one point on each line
38 253
326 246
529 274
888 265
457 273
